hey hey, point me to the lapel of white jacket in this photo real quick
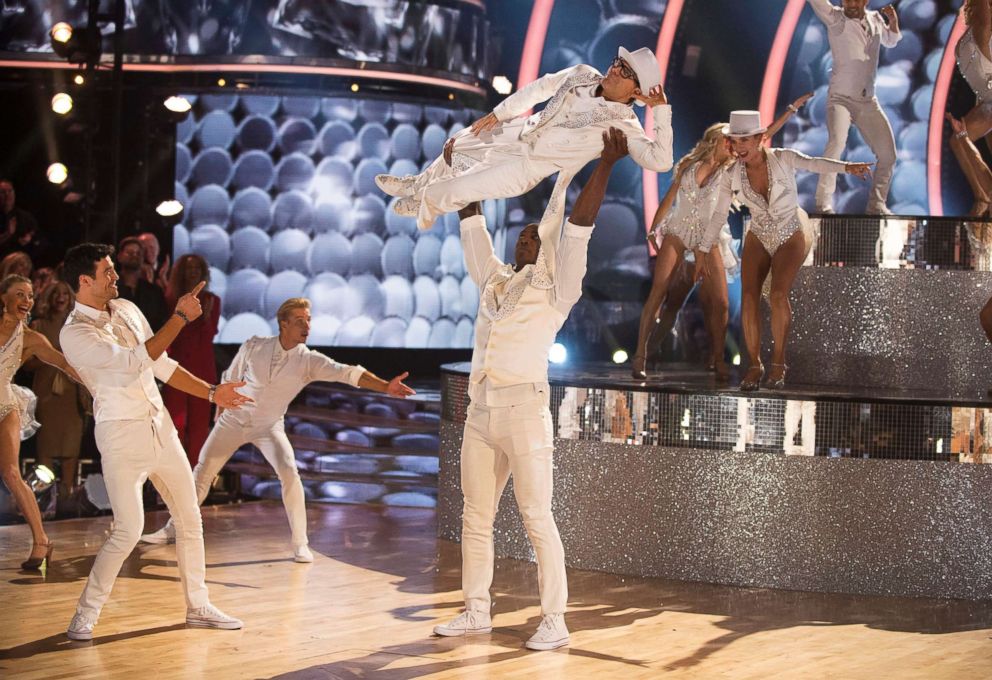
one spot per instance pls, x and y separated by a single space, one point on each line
776 174
266 356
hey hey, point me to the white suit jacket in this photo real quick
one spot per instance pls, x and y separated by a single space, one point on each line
783 195
274 391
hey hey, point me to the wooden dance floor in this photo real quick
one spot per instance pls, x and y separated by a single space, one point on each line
381 580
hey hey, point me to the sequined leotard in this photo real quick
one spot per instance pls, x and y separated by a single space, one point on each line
14 396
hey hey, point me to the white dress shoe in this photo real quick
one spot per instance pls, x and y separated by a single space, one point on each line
396 186
467 623
208 616
163 536
302 554
551 634
407 207
81 627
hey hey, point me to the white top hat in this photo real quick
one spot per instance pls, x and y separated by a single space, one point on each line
744 124
645 65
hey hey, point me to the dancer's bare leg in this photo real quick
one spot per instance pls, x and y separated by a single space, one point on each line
716 305
10 448
668 258
680 284
976 124
755 265
785 265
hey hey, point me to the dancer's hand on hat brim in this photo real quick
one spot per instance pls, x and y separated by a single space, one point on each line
862 170
655 97
485 124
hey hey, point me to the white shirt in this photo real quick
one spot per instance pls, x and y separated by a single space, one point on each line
520 313
107 349
783 199
275 376
854 44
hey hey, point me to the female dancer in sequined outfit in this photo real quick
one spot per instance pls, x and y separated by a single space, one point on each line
974 54
18 344
764 180
674 232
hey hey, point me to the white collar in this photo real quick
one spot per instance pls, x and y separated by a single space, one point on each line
92 312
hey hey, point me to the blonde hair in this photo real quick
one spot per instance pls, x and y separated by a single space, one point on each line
704 147
11 280
282 314
43 308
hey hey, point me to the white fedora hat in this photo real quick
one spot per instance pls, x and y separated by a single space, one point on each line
744 124
645 65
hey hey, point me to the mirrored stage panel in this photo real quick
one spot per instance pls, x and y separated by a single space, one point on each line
823 489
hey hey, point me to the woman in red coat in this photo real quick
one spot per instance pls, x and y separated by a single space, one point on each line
194 350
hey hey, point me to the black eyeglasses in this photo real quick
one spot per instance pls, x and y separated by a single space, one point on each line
625 70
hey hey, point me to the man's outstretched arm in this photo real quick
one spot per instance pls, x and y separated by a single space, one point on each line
573 249
591 197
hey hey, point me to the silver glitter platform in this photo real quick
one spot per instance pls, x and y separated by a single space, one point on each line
821 488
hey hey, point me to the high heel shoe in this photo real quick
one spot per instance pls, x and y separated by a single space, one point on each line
34 563
779 383
638 367
750 384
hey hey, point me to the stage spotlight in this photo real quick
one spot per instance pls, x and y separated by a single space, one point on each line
178 104
736 361
619 356
502 85
40 478
60 33
57 173
354 87
558 353
62 103
169 208
79 80
221 82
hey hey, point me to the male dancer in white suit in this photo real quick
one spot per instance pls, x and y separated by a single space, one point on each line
109 343
508 429
275 369
856 36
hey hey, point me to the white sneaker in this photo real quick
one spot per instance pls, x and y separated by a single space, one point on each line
302 554
407 207
81 627
163 536
551 634
396 186
209 616
467 623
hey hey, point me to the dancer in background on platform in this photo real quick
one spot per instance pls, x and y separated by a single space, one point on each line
764 180
679 229
856 36
194 350
501 155
17 404
508 429
274 370
63 405
974 53
109 342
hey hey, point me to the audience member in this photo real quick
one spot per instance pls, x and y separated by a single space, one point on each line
63 405
194 350
133 287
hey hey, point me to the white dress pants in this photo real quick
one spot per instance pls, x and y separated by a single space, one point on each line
226 438
867 115
498 442
133 451
505 170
